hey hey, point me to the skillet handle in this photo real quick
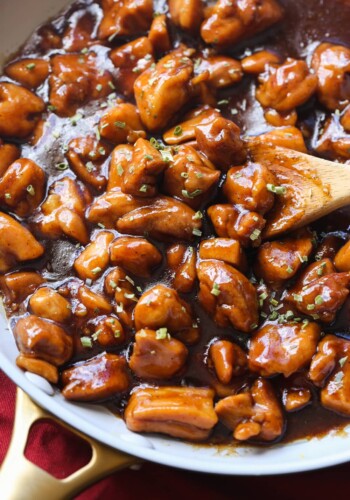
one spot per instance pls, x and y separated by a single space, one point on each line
20 479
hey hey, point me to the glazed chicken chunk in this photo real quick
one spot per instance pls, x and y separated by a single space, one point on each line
283 348
124 18
231 22
227 295
135 255
228 360
253 414
184 412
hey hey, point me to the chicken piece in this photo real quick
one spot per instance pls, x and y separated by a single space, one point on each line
228 360
28 72
284 137
230 222
131 59
142 173
330 368
277 119
162 307
342 258
17 244
286 86
323 297
230 22
220 141
332 66
48 38
121 287
226 249
20 110
181 260
108 332
186 131
254 414
75 80
183 412
334 142
314 271
165 219
121 124
121 157
49 304
157 355
63 211
79 32
99 378
250 187
90 303
278 261
158 34
9 153
111 206
136 255
22 187
87 156
161 92
16 287
296 399
125 18
188 178
223 71
257 63
39 367
329 247
284 349
94 259
227 295
38 338
186 14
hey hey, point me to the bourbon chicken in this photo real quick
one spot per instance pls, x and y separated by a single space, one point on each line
135 270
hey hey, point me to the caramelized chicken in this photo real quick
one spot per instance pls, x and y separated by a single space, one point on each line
342 258
17 244
16 287
250 186
284 137
257 63
157 355
49 304
94 259
227 295
330 369
220 141
39 367
120 286
186 14
181 261
332 66
223 71
186 130
9 153
121 156
121 124
125 18
189 178
97 379
228 360
28 72
131 59
286 86
278 261
62 213
225 249
158 34
22 187
231 22
135 255
108 331
283 348
184 412
20 110
39 338
254 414
75 80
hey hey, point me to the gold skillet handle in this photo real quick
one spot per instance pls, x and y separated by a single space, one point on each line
20 479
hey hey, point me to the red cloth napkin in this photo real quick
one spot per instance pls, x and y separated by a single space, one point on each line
157 482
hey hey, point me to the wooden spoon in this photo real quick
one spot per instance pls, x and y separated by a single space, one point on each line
313 187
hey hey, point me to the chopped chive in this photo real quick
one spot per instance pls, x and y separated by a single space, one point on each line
31 190
99 87
310 307
90 167
102 226
113 284
276 189
197 232
96 270
120 169
30 66
111 85
178 130
143 188
148 157
255 235
215 290
120 124
161 333
297 297
342 361
8 196
61 166
319 300
198 215
86 342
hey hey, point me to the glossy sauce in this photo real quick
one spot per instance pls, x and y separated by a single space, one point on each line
305 24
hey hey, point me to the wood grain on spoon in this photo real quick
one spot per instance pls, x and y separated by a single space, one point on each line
314 187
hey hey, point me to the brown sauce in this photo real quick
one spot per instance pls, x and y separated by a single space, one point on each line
305 24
